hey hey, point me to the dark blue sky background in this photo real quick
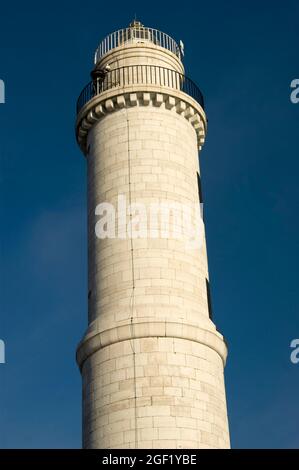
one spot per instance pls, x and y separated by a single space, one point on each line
243 55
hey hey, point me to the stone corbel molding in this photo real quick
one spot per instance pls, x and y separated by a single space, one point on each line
114 100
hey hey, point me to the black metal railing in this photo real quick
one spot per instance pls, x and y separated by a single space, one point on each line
140 75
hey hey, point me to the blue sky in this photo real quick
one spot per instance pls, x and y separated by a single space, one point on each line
243 55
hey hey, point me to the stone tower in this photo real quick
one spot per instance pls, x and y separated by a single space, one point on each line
151 359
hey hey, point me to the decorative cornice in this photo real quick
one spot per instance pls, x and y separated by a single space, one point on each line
141 95
96 340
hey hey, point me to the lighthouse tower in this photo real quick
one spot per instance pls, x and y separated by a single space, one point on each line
151 360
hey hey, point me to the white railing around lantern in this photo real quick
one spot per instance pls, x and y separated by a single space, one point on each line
122 36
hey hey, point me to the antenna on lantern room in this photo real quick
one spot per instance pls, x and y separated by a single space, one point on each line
182 48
